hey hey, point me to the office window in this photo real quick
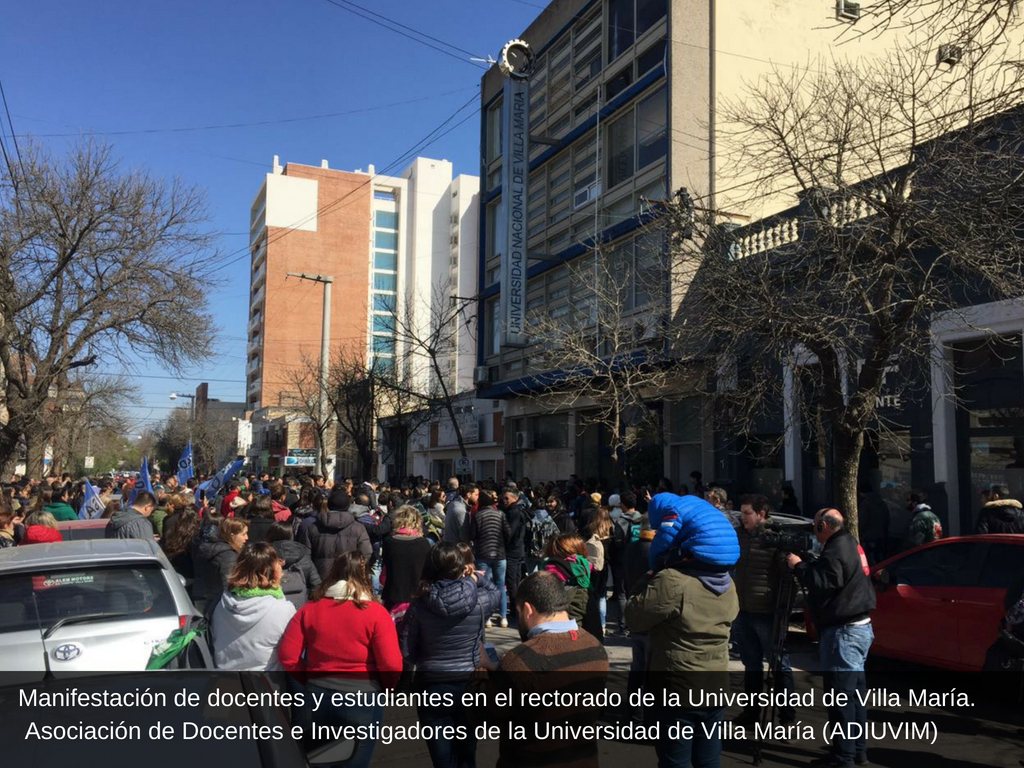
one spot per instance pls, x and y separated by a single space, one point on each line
651 58
621 150
386 240
385 220
493 316
383 194
491 245
650 129
384 324
382 302
621 27
385 260
494 131
649 13
382 281
383 345
619 82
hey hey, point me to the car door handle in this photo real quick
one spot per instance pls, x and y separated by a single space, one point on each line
947 600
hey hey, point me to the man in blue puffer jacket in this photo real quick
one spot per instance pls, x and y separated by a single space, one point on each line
690 524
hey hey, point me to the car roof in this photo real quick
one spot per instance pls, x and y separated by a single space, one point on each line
79 552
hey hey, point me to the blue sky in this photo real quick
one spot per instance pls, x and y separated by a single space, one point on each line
121 67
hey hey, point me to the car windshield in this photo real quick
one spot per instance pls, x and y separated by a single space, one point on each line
98 592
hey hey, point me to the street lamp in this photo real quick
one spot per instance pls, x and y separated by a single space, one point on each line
192 409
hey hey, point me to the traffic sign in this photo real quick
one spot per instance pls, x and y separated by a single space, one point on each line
463 465
90 462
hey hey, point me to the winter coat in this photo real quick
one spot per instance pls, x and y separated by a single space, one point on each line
1002 516
442 630
157 518
636 560
924 526
691 526
838 591
298 574
212 559
756 572
128 524
519 528
61 511
281 513
542 530
625 528
576 575
403 559
7 539
247 629
332 534
303 517
225 503
40 534
258 528
564 522
489 530
456 521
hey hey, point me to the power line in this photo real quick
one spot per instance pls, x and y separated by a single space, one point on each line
201 379
384 21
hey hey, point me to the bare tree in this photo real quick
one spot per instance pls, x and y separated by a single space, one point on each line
306 397
909 206
83 407
601 352
94 259
213 440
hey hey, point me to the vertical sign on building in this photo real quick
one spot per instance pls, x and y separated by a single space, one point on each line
516 62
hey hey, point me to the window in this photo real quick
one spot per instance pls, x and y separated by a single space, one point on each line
648 13
619 82
383 303
949 565
650 129
551 431
384 324
494 131
1002 566
385 260
621 27
386 240
384 282
383 345
651 58
385 220
493 327
384 194
621 149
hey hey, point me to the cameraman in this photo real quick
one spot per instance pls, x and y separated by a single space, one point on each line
841 598
758 571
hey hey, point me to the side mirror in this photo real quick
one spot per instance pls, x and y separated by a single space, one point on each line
882 577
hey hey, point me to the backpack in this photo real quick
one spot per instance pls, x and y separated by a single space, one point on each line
540 533
625 531
293 585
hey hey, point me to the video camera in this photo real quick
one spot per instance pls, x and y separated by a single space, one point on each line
790 536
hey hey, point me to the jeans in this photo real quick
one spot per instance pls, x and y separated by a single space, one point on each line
699 751
753 632
842 651
329 715
619 595
375 570
513 575
449 753
495 571
602 608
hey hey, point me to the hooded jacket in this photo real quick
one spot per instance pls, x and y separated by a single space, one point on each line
61 511
128 524
443 629
693 527
247 626
299 576
333 533
1001 516
282 514
212 559
40 534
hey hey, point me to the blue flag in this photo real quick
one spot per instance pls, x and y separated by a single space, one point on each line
92 505
185 464
141 483
212 486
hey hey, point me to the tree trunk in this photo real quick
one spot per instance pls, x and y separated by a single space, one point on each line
846 449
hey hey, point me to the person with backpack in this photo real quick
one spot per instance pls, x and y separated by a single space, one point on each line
542 529
626 525
299 576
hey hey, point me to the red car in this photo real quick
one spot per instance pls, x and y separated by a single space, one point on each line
940 604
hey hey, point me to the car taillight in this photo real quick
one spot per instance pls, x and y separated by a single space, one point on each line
182 620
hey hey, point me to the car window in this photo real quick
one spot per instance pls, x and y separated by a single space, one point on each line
948 565
1003 566
139 591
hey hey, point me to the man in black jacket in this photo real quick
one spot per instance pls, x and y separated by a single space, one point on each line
1000 513
517 511
841 598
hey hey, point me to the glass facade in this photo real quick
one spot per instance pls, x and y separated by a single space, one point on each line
384 285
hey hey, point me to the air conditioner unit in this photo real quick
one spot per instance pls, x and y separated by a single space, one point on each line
524 441
481 375
586 194
949 54
847 11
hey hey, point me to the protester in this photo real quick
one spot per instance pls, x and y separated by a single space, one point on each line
252 613
404 553
334 532
8 519
924 525
517 511
627 523
40 528
567 560
635 572
686 607
1000 513
299 576
179 539
489 531
441 634
132 523
456 513
55 501
160 512
213 556
872 522
278 494
553 646
599 547
259 514
759 571
558 513
840 597
343 641
311 505
542 529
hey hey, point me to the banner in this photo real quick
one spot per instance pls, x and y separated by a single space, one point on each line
212 486
141 483
92 505
512 240
185 464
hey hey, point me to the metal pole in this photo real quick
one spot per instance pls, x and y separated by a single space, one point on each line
325 341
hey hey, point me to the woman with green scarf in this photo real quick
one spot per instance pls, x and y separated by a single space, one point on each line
567 558
252 613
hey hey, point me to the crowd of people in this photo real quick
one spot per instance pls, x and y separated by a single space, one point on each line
354 584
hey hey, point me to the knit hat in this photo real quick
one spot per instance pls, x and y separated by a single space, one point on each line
614 500
338 501
596 498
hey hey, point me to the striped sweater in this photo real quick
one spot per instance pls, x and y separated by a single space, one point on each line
564 661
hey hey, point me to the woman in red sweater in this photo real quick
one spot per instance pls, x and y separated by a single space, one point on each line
344 642
40 528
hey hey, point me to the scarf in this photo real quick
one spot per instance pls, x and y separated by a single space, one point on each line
340 590
258 592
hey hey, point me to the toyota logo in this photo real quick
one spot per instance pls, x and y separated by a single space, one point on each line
67 652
